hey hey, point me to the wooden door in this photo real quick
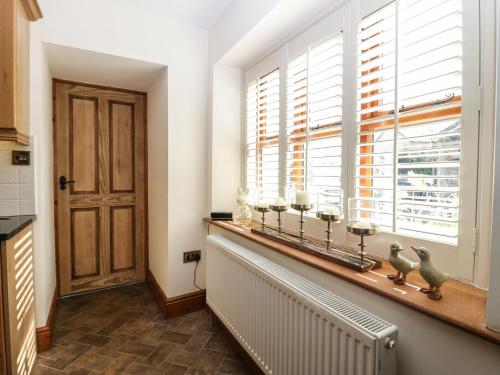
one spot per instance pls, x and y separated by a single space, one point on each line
99 142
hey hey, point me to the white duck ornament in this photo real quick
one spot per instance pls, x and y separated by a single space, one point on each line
403 265
431 274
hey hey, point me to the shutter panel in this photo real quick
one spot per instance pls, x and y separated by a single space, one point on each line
376 101
251 142
422 79
314 123
296 125
430 92
262 148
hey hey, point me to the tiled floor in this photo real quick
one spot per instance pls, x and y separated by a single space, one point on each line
122 331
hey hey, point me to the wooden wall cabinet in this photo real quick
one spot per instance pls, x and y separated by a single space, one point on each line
15 16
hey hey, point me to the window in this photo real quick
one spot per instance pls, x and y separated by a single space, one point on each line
262 146
409 118
379 103
314 123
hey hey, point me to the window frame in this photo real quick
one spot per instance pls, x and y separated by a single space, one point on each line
457 260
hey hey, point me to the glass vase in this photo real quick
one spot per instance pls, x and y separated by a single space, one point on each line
242 215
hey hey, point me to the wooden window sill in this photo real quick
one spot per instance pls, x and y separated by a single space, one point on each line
463 305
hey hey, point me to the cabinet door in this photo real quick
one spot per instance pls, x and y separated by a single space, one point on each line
15 17
19 302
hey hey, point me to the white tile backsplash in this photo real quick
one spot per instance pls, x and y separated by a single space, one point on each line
9 192
5 158
26 191
26 175
8 175
17 189
26 207
9 208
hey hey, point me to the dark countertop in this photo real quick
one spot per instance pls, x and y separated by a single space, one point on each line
11 225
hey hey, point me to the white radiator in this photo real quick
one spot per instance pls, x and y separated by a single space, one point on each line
288 324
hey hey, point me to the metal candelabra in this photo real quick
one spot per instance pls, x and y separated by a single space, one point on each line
329 218
302 208
279 209
262 210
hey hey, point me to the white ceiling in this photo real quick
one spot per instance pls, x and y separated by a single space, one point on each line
88 66
200 13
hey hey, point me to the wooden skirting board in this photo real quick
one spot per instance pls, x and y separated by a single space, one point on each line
44 334
179 305
190 302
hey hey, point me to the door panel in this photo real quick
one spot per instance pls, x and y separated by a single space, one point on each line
85 242
122 124
122 238
83 148
99 141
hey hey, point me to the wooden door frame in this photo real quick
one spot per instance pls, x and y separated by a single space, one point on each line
56 178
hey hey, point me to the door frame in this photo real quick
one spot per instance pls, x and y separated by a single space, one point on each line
56 178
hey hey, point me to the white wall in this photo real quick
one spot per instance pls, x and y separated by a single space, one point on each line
426 345
106 28
493 308
41 128
225 145
239 19
158 177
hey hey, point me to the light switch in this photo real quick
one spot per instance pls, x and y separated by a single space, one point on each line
20 157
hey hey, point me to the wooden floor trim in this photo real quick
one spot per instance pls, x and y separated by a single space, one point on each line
179 305
44 334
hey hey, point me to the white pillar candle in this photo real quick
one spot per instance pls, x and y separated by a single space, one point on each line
362 225
302 198
332 211
279 202
262 205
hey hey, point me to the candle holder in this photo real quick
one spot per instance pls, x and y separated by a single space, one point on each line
263 210
362 232
302 208
279 210
329 218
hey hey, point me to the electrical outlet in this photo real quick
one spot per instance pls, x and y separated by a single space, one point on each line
192 256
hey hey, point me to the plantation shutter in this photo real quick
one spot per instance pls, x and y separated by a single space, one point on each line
262 149
314 123
251 141
409 104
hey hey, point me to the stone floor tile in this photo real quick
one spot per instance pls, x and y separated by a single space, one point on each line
175 337
230 366
122 331
94 340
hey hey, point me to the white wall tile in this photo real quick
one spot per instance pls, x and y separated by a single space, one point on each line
9 192
17 192
26 191
9 208
8 175
27 207
5 158
26 175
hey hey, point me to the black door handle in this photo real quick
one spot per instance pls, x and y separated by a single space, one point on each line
63 182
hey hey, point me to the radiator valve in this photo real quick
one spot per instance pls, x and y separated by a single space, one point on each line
389 343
